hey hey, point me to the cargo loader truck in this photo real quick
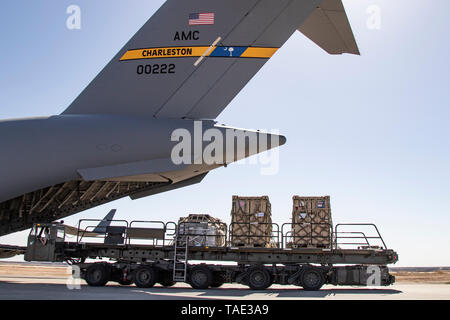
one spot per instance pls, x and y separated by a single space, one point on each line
154 252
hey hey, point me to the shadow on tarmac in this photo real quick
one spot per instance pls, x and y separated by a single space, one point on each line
31 291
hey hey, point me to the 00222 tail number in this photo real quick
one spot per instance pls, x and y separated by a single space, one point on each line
155 69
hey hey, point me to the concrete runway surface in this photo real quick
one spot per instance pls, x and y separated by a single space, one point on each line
48 287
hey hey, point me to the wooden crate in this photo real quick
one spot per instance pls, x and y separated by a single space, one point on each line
311 222
251 222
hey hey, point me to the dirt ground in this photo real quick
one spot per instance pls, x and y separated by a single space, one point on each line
11 270
438 277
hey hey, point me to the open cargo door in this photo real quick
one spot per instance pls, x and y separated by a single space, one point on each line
329 28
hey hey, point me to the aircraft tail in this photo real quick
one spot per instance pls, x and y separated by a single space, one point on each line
105 223
192 58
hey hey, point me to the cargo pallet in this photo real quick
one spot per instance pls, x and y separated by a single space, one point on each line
146 255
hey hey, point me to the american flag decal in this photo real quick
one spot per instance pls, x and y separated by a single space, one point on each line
197 19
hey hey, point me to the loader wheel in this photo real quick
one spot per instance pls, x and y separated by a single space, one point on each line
200 277
145 277
218 280
259 278
312 279
97 274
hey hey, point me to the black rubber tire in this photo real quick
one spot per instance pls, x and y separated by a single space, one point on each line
145 277
200 277
218 280
312 279
166 279
259 278
97 275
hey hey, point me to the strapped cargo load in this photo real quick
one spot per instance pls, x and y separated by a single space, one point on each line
251 222
311 222
202 230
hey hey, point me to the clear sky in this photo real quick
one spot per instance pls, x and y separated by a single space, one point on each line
372 131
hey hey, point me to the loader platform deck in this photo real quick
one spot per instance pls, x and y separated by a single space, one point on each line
146 255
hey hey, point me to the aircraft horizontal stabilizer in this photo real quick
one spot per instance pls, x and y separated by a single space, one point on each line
7 251
329 28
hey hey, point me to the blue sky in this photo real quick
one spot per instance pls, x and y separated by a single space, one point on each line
372 131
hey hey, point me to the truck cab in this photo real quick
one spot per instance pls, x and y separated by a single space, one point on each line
45 242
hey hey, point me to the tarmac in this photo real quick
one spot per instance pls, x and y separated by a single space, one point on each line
53 281
55 288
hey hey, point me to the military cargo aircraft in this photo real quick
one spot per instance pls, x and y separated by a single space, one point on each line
116 139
